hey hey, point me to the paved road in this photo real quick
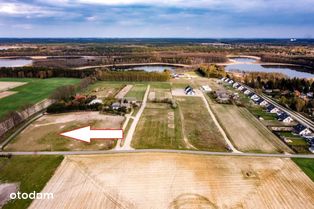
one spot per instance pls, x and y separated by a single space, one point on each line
296 116
128 138
102 152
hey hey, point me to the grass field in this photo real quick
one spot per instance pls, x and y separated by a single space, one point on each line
160 180
137 91
307 166
246 132
159 127
104 89
31 172
200 129
44 134
34 91
258 111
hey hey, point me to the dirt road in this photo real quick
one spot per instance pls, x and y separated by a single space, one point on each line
128 139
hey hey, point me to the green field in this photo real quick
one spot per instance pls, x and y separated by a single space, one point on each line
137 91
159 127
34 91
307 166
199 127
31 172
258 111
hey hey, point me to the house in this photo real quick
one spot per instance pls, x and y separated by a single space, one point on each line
189 91
247 92
250 94
116 106
231 82
244 89
227 80
254 96
264 103
236 85
259 101
272 109
302 130
95 101
206 88
311 148
310 95
223 79
240 88
284 117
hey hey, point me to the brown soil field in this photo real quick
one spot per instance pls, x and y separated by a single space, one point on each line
43 134
6 85
246 132
155 180
6 93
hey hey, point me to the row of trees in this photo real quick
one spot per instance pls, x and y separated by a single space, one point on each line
274 81
132 76
212 71
44 72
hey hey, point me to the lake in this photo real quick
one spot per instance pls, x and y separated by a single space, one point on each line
248 66
15 62
150 68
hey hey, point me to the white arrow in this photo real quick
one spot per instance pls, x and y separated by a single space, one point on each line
86 134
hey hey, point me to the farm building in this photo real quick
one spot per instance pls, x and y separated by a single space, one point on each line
302 130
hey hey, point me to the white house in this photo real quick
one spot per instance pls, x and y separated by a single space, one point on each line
311 149
263 103
241 88
231 81
274 110
227 80
254 96
247 92
235 85
189 91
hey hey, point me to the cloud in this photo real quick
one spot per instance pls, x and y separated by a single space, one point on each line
23 26
22 9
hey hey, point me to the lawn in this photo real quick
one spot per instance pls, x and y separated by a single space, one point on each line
138 91
258 111
34 91
159 127
31 172
307 166
199 127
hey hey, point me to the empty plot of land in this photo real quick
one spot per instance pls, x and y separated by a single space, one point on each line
6 85
103 89
246 132
157 94
159 127
154 180
43 134
137 91
199 127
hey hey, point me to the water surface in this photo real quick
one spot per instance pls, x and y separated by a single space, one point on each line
15 62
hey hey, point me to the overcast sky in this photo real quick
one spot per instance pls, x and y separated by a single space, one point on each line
157 18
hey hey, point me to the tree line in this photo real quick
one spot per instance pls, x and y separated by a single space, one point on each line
212 71
132 76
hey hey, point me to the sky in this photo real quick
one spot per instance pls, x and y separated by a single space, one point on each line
157 18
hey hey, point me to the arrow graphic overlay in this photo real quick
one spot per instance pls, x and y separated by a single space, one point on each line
86 134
